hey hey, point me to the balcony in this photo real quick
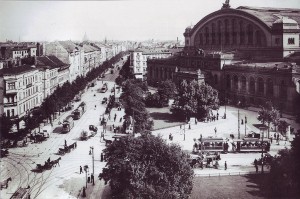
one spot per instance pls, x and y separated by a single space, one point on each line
11 91
10 104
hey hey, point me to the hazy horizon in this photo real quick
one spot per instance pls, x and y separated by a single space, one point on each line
116 20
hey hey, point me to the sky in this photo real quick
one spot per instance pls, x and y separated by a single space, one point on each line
116 20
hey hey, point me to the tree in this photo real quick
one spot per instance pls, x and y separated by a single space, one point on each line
268 114
282 127
147 167
6 125
285 172
194 99
133 102
166 90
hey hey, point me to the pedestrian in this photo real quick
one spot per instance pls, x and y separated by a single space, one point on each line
80 170
271 139
256 168
215 131
115 119
120 119
225 165
217 116
89 178
101 157
65 142
180 126
92 179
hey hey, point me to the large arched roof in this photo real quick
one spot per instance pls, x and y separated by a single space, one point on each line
263 16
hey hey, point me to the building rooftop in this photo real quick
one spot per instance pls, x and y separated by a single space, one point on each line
271 15
51 61
88 48
17 70
69 46
266 66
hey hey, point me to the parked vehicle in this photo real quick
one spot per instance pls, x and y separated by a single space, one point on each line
104 88
68 124
93 128
104 100
46 131
79 111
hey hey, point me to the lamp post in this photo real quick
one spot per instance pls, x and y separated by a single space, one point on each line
262 150
92 148
245 124
239 133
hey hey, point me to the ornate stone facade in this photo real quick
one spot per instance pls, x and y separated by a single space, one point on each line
244 53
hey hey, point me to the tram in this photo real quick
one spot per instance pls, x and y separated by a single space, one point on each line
211 144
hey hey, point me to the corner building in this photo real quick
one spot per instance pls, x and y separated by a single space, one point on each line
245 53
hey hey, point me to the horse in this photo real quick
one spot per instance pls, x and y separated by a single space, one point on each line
55 162
107 142
5 183
72 146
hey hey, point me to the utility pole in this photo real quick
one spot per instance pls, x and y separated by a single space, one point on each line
184 132
92 148
239 124
245 124
262 151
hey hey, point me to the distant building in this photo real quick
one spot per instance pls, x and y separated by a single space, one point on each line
139 57
247 54
21 90
69 53
53 71
92 57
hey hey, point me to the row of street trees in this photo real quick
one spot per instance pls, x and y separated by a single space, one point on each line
59 99
144 166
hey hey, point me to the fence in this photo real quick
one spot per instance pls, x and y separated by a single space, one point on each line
230 174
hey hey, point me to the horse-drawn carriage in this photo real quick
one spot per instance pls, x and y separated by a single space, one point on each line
4 152
208 160
62 151
4 183
48 165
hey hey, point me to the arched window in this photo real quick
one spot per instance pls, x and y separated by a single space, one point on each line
233 31
250 34
226 32
252 85
258 38
236 82
216 79
201 39
270 87
219 32
283 89
242 33
260 83
228 82
206 35
213 33
243 81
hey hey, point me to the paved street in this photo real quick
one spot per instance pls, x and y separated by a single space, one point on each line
64 180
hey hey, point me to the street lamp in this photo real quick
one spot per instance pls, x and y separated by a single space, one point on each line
245 124
92 153
239 133
262 149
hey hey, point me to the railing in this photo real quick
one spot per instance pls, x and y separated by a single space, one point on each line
230 174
